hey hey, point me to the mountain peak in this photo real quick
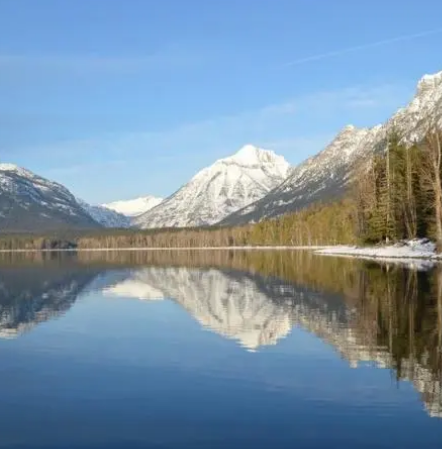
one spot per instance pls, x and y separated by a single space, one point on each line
6 167
429 81
248 155
248 151
350 131
252 155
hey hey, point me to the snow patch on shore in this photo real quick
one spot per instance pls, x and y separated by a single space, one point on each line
412 249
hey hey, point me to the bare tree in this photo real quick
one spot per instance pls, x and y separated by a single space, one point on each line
431 175
410 212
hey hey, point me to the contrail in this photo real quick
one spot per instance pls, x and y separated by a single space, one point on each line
362 47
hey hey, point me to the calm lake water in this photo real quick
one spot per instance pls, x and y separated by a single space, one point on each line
218 350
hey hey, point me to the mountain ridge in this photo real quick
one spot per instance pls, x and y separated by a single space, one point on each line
327 174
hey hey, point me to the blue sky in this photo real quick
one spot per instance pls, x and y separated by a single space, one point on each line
121 98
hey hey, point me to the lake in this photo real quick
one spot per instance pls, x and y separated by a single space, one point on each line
218 349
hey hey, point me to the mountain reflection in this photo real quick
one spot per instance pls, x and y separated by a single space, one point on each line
386 315
33 293
251 309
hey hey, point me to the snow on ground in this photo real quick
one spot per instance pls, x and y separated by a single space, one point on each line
411 263
412 249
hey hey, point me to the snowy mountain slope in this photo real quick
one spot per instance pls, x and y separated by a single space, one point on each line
217 191
106 217
425 108
135 207
29 202
327 174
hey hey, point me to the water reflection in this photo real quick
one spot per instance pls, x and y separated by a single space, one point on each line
387 315
32 294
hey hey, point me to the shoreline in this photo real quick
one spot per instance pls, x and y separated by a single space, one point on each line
186 248
406 251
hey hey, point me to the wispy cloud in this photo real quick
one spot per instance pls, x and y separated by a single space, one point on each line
170 57
75 170
296 116
173 56
358 48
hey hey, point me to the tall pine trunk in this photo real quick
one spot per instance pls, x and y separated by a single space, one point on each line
410 210
435 143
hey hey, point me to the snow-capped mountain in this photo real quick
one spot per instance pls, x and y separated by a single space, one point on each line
217 191
134 207
327 174
29 202
106 217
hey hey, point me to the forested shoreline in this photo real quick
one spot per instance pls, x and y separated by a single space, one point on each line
396 195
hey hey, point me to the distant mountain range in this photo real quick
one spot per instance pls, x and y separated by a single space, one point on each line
135 207
251 185
107 218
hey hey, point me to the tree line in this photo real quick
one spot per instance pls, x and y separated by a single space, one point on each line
317 225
